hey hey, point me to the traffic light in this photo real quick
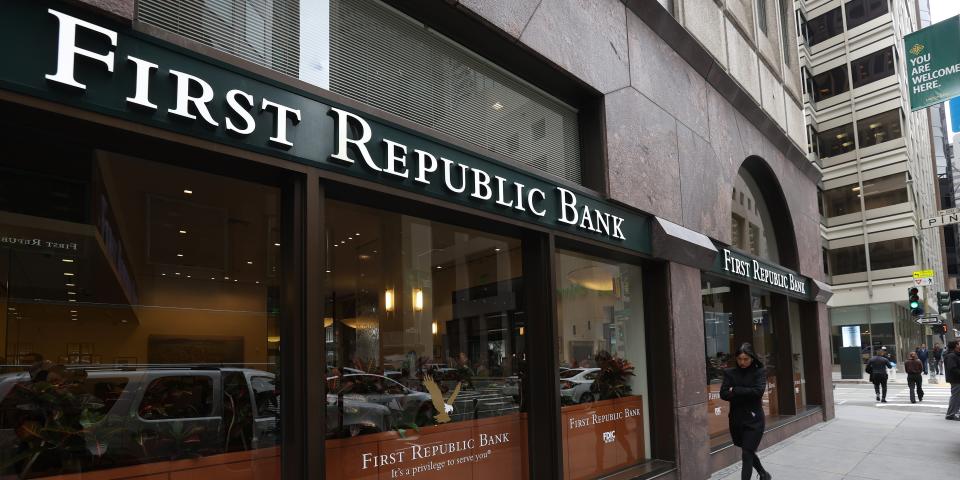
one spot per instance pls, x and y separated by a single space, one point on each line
916 307
943 302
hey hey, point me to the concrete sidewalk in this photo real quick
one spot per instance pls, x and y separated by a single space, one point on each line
864 443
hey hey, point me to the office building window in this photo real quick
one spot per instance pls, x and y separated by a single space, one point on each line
841 200
836 141
762 15
872 67
830 83
813 146
885 191
846 260
387 60
862 11
879 128
877 193
891 253
824 27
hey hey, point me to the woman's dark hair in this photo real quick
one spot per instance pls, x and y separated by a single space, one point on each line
747 349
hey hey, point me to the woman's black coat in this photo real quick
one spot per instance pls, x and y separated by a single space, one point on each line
746 406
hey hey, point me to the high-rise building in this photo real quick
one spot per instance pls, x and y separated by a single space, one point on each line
878 172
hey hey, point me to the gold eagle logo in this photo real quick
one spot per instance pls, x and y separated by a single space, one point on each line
444 408
916 49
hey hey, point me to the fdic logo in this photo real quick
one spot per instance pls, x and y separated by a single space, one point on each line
610 437
916 49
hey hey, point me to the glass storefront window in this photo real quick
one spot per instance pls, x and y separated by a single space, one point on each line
140 322
764 344
862 11
796 350
718 333
825 26
425 349
836 141
603 374
830 83
872 67
846 260
891 253
879 128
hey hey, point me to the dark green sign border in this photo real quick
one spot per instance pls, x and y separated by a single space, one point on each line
932 62
29 41
741 267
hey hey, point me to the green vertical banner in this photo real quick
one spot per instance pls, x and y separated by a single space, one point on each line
933 63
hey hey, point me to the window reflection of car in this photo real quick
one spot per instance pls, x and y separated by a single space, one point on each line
136 416
373 403
575 385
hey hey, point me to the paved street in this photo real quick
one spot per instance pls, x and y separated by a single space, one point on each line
936 397
896 441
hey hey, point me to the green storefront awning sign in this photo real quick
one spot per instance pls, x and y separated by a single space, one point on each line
933 63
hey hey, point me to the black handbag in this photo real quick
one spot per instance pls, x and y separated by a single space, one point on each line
869 369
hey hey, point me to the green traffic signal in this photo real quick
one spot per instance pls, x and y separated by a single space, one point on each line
913 295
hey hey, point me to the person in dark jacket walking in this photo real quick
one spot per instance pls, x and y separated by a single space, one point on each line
914 379
743 386
937 358
878 365
922 355
951 369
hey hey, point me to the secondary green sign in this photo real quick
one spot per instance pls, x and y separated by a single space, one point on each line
97 65
933 63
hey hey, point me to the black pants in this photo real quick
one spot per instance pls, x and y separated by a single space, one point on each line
916 382
878 382
750 462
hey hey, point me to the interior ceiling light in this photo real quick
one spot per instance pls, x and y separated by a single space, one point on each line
497 106
188 192
594 277
183 232
71 293
249 262
68 274
68 260
276 244
70 285
179 254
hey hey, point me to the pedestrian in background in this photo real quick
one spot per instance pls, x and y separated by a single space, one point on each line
951 368
923 355
743 386
913 367
937 358
877 368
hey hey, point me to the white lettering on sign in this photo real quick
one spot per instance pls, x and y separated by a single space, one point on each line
599 418
757 271
196 100
434 456
39 243
923 78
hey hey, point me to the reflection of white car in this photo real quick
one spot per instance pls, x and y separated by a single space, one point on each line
575 384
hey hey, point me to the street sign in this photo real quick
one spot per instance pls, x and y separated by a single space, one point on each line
933 63
944 217
923 274
923 282
929 320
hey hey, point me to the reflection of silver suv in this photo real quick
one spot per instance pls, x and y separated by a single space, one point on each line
367 403
118 416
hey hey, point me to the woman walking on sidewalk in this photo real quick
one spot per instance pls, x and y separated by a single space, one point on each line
877 368
743 386
914 369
